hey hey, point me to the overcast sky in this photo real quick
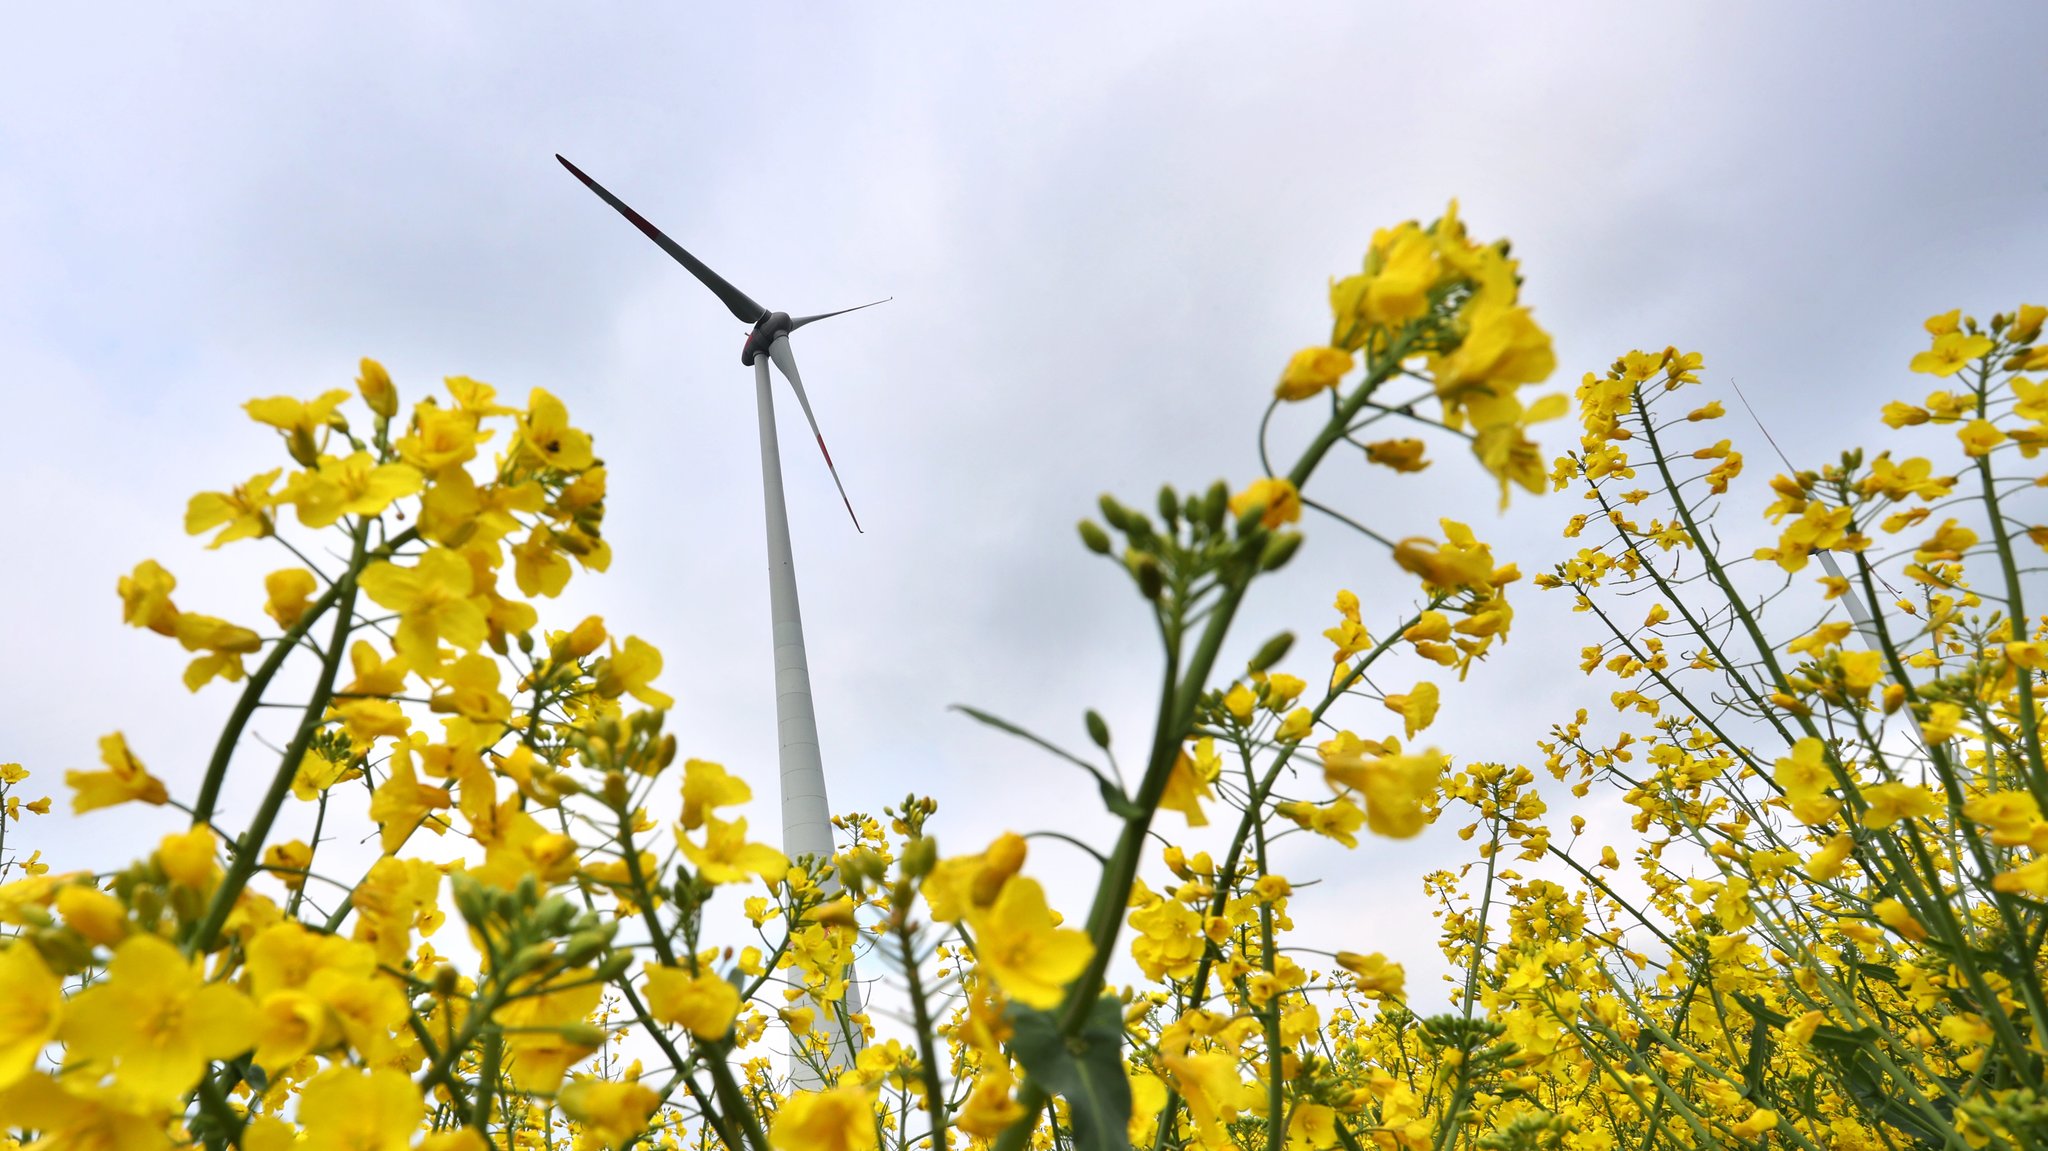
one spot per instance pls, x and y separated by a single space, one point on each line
1105 228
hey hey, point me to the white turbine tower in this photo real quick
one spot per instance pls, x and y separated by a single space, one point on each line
806 814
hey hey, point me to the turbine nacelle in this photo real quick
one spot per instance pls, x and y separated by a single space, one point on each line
758 341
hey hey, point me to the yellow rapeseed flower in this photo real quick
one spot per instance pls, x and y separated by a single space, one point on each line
841 1119
1312 370
156 1021
1417 707
728 857
1397 788
354 485
350 1109
1402 455
1952 351
434 602
373 383
546 1033
1377 976
708 786
545 432
73 1114
1276 497
243 513
91 913
960 884
1891 802
630 671
189 857
125 779
1019 944
1805 777
299 420
1187 783
607 1113
703 1003
288 590
31 1007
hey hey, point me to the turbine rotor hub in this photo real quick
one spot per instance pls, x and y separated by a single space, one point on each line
765 330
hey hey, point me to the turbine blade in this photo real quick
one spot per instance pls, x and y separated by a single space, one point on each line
786 360
741 305
800 321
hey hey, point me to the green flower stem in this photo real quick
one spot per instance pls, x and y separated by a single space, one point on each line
1254 813
487 1083
259 681
1719 575
2015 605
1176 714
227 1126
934 1088
1276 1112
730 1100
1698 627
247 851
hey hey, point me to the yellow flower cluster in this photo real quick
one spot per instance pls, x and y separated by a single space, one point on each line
1436 299
1795 892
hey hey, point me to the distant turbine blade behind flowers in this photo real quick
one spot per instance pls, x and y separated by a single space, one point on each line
737 301
785 360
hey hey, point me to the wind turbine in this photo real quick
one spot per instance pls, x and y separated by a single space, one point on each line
806 814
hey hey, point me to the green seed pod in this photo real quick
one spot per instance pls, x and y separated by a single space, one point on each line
299 442
148 903
504 905
553 915
1215 505
585 946
1151 581
1279 550
1114 513
186 904
1098 729
1169 507
529 957
1273 652
585 1034
614 965
919 856
1093 537
66 952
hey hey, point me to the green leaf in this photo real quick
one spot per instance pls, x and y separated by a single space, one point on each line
1759 1057
1112 796
1844 1043
1117 802
1758 1011
1087 1070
